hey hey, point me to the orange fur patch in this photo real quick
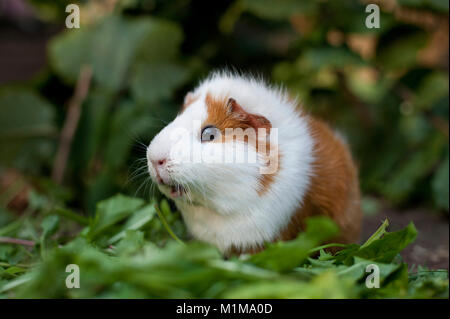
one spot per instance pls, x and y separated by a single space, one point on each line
266 180
334 189
226 113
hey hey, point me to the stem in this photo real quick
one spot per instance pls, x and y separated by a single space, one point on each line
2 264
16 241
71 123
166 225
15 283
71 215
377 235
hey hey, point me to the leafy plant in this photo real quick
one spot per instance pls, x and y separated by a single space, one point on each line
119 256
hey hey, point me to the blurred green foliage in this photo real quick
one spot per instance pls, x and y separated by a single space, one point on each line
386 90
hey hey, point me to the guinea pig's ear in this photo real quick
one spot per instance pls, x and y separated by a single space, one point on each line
188 100
254 120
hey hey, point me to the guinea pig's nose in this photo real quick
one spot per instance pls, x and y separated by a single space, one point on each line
159 165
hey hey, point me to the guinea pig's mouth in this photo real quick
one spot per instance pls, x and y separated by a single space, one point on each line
175 190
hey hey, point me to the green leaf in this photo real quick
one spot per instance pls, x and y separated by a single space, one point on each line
114 46
439 5
381 247
121 134
378 234
385 249
278 10
16 282
154 81
132 241
327 285
49 225
440 185
427 283
92 128
317 58
111 47
26 127
401 53
432 89
358 269
111 211
24 114
70 215
15 270
10 228
282 256
136 221
400 185
354 272
162 41
69 51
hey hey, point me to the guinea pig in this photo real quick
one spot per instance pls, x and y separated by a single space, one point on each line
246 165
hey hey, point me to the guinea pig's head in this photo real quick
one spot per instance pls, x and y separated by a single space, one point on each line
215 153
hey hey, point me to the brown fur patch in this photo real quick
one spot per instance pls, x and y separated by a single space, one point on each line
334 189
226 113
266 180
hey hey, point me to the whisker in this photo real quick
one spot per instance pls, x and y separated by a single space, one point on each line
140 187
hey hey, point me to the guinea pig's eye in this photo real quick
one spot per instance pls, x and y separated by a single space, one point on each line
210 133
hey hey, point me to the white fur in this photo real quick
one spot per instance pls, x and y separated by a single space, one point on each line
223 206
